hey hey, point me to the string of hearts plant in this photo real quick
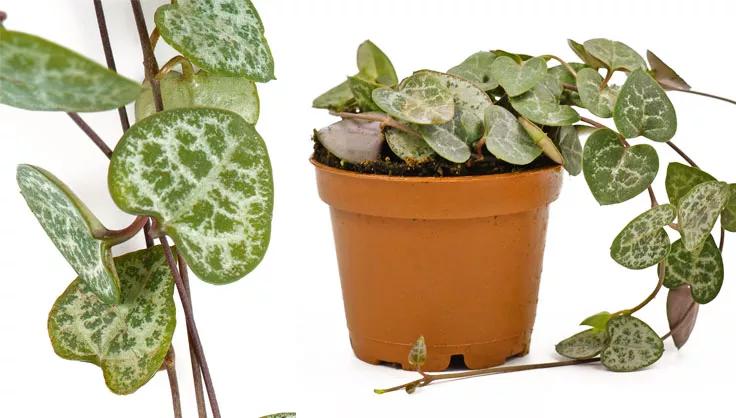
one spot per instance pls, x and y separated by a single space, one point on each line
197 172
513 108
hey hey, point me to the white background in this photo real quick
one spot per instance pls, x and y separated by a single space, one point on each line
277 339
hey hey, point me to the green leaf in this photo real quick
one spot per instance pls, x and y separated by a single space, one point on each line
615 55
643 109
583 345
568 142
681 179
362 90
281 415
339 98
540 138
444 142
644 242
702 270
588 59
563 75
222 37
728 217
374 65
128 340
665 76
698 211
421 98
599 101
72 228
599 321
205 175
410 148
477 69
541 104
682 314
615 173
236 94
633 345
506 139
37 74
518 78
418 353
353 140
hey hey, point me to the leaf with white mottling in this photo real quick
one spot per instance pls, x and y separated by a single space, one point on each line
614 55
421 98
72 228
410 148
236 94
644 242
583 345
702 270
681 179
353 140
281 415
374 65
568 142
363 93
37 74
506 139
633 345
599 101
698 211
588 59
418 353
220 36
665 75
682 314
477 69
128 340
339 98
643 109
615 173
563 75
518 78
728 217
445 143
540 138
541 104
205 174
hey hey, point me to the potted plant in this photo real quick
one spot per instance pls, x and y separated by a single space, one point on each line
192 168
439 186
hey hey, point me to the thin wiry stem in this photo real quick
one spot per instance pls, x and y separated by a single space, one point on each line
196 369
700 93
682 154
90 133
109 57
170 363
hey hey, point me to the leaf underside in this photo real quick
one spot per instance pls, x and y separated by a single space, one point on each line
644 242
353 140
682 314
702 270
633 345
568 142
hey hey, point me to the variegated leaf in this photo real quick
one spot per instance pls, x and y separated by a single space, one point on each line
541 104
353 140
72 228
518 78
281 415
339 98
614 55
418 353
633 345
563 75
127 340
615 173
477 69
643 109
644 242
583 345
701 269
506 139
682 314
374 65
587 58
236 94
205 174
421 98
728 217
220 36
410 148
597 98
362 90
37 74
681 179
443 141
568 142
540 138
665 75
698 211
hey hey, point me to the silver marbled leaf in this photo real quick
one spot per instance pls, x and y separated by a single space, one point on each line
421 98
681 179
644 242
614 55
362 90
506 139
410 148
477 69
541 104
583 345
643 109
518 78
598 100
698 211
701 269
633 345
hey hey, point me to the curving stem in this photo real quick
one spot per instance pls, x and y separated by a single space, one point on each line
118 236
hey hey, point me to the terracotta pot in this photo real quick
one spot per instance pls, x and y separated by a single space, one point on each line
456 259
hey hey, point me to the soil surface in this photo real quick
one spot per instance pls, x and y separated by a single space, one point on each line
391 165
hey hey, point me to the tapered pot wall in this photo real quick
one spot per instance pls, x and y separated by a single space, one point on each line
457 260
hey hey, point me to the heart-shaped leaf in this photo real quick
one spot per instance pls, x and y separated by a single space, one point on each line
477 69
37 74
339 98
598 321
681 179
702 270
728 217
410 148
682 314
616 173
583 345
542 140
643 109
205 175
444 142
220 36
568 142
562 74
598 100
72 228
374 65
506 139
353 140
644 242
421 98
362 90
541 104
128 340
615 55
698 211
588 59
236 94
666 76
633 345
518 78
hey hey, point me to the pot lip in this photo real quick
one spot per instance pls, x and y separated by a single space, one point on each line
420 179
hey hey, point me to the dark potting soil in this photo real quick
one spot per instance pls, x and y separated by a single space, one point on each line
389 164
